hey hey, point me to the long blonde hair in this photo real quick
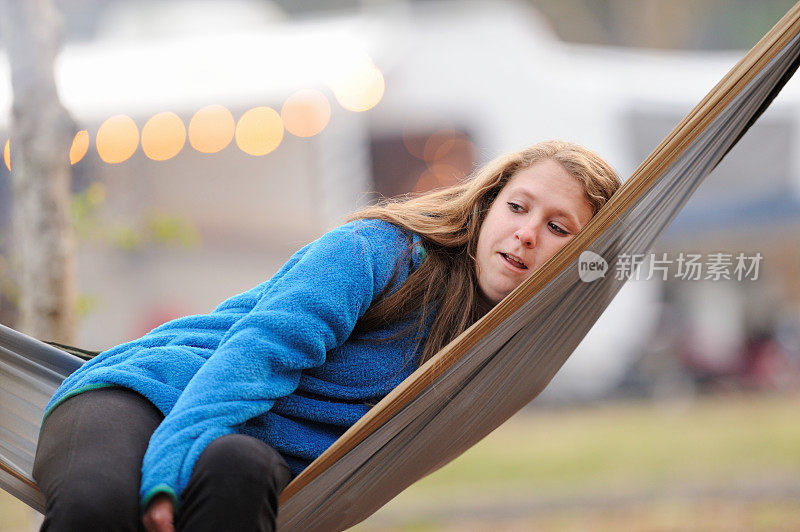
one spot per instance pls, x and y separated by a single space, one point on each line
448 221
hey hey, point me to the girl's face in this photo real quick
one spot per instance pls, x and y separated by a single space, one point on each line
536 213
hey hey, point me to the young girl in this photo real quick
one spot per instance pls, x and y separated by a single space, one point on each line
200 423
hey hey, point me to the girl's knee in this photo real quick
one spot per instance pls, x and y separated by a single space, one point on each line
244 459
235 485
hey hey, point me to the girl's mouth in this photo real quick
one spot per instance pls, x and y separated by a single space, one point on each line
514 262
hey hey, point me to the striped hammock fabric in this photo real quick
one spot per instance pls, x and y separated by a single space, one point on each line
495 367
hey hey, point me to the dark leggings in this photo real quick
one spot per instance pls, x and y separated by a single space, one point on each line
88 465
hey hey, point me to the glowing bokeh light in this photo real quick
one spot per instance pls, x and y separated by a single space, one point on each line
7 154
80 146
435 142
415 144
457 146
360 88
416 130
440 175
211 129
306 113
117 139
450 147
259 131
163 136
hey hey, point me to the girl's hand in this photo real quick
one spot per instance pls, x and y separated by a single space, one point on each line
159 514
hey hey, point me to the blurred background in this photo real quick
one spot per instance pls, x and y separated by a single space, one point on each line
213 139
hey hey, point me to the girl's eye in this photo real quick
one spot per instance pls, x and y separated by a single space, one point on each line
515 207
558 230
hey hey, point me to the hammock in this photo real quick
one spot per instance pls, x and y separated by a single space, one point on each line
494 368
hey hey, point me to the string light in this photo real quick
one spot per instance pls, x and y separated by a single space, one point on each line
117 139
359 87
306 113
163 136
80 146
211 129
259 131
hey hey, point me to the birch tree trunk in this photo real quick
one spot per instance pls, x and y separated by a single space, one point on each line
41 134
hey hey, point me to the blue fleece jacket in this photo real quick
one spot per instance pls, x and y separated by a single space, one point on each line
277 362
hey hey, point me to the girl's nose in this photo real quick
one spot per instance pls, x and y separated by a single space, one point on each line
526 235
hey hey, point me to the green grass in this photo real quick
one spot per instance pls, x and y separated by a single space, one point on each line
653 456
719 438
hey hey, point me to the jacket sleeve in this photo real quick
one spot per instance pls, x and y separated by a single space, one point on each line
311 308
